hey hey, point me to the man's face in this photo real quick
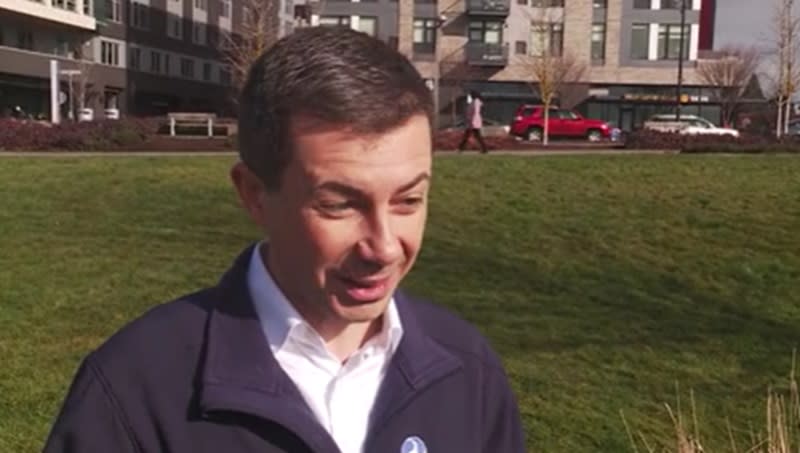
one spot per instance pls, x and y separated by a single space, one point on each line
347 223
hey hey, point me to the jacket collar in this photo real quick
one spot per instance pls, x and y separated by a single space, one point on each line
239 372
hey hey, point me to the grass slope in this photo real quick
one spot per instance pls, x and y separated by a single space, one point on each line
602 281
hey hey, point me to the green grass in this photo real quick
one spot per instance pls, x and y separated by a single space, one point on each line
602 281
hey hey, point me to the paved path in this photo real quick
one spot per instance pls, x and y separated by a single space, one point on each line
532 153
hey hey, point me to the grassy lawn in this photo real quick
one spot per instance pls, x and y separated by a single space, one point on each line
602 281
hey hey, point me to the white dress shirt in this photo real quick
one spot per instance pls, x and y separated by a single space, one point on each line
341 396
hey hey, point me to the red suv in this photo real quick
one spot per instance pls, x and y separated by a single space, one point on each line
529 124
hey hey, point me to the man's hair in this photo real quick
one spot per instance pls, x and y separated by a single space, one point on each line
334 76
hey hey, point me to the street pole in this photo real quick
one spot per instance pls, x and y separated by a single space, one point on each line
55 113
437 72
679 88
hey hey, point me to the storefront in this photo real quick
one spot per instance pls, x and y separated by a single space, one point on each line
27 94
628 107
624 106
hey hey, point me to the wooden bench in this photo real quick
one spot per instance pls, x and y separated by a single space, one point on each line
191 119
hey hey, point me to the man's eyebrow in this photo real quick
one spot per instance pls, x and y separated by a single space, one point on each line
424 176
338 187
350 191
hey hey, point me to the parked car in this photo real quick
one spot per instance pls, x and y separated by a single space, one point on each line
688 124
528 123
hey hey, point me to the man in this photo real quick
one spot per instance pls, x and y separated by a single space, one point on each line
305 345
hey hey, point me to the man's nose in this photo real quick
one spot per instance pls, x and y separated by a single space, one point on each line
380 244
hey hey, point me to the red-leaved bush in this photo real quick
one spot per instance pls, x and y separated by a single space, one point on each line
90 136
746 143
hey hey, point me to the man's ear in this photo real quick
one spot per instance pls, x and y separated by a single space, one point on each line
252 193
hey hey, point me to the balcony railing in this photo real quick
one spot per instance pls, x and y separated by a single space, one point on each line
488 7
483 54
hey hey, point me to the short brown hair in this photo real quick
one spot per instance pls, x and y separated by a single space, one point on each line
334 75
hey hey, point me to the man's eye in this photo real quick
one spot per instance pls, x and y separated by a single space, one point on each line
335 207
414 201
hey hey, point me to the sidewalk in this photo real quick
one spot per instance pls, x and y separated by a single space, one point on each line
531 153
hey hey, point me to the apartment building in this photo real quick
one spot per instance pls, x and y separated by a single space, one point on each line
630 49
138 57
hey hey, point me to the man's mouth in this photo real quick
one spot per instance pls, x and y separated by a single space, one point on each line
366 289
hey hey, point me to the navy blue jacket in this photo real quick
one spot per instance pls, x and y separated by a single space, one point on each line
197 375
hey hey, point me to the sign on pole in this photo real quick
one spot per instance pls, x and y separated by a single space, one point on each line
55 105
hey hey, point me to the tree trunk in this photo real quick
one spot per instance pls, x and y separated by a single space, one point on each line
787 116
546 131
779 122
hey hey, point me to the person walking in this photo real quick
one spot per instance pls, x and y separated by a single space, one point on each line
473 122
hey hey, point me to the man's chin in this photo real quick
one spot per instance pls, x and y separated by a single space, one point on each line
359 310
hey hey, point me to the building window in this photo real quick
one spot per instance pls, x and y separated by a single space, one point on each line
187 68
334 21
675 4
424 35
224 37
521 48
522 2
368 25
167 69
155 61
199 33
109 53
136 58
25 39
87 7
2 36
547 3
111 99
112 10
175 26
139 15
669 42
640 41
225 8
641 4
207 72
599 4
547 39
486 31
62 47
201 4
224 76
65 4
598 41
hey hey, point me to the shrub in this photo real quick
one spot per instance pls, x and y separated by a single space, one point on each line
746 143
90 136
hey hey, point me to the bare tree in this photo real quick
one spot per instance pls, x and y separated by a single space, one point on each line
258 31
786 39
729 72
82 91
554 71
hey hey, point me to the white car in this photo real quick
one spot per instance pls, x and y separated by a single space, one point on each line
688 124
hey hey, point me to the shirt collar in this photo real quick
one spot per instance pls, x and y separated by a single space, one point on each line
280 321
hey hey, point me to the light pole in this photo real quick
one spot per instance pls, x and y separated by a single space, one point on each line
680 60
437 73
70 73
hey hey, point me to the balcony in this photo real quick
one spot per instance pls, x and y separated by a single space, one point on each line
45 10
489 55
495 8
